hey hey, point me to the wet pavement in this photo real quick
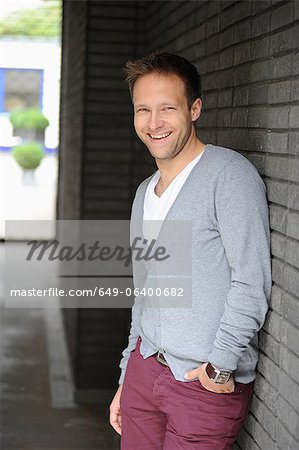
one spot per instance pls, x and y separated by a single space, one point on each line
29 418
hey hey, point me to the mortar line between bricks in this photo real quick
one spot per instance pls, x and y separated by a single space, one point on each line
249 433
167 14
288 431
266 406
264 129
252 39
266 432
252 83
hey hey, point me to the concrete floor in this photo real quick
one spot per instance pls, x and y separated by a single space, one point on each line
29 421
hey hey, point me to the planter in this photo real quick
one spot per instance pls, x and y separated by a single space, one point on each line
37 136
29 124
28 177
28 156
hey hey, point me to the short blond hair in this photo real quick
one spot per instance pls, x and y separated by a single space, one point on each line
167 64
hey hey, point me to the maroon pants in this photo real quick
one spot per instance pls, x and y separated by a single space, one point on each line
160 413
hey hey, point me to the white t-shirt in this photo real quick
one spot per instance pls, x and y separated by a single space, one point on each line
156 208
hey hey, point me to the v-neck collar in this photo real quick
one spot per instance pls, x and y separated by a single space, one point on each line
175 180
194 169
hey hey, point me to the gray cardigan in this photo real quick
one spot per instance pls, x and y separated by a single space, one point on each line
224 197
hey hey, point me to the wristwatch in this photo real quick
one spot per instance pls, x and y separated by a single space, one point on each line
217 375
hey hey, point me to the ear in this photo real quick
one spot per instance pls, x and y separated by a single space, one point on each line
196 109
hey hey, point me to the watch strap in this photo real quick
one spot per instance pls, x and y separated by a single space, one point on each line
217 375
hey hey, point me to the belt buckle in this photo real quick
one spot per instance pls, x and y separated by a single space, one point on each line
160 358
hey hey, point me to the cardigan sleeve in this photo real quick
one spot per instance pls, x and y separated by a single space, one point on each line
139 280
133 336
243 223
139 277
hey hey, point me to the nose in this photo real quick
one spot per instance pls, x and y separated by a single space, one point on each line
155 121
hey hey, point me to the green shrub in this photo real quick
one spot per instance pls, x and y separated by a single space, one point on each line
28 119
29 155
40 21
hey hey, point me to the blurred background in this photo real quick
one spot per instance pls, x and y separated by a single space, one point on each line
30 49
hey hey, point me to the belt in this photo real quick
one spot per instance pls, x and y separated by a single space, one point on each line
161 359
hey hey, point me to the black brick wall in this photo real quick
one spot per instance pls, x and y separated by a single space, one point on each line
247 53
108 134
71 133
97 169
72 109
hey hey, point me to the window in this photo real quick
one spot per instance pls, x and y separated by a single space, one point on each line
21 88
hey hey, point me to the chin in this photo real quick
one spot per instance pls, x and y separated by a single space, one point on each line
163 156
162 153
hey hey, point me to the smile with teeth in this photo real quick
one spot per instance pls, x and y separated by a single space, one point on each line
159 136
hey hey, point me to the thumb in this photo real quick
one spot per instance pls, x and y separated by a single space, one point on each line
191 374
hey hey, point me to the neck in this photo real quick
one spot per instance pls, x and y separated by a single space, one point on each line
170 168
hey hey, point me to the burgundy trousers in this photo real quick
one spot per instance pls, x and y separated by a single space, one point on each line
161 413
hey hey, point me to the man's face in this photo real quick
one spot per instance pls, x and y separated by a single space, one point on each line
162 117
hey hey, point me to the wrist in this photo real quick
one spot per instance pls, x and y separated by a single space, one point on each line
217 375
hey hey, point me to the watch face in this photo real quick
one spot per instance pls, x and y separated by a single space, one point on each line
223 377
217 375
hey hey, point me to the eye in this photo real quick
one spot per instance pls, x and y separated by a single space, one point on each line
142 110
168 108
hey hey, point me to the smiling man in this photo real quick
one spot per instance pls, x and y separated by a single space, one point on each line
187 374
